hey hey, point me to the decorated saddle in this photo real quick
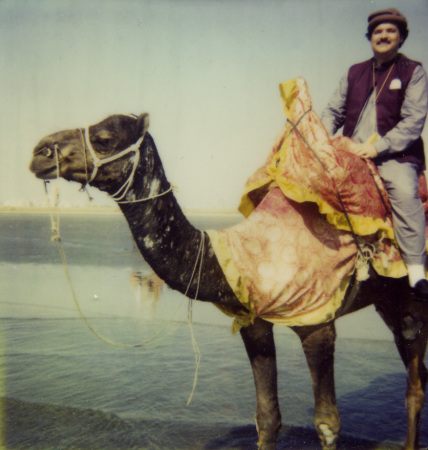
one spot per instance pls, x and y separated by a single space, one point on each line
314 212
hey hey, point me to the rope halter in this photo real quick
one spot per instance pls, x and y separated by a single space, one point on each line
97 162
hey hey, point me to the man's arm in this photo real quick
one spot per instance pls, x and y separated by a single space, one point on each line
413 112
333 116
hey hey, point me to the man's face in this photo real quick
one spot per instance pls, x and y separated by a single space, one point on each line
386 39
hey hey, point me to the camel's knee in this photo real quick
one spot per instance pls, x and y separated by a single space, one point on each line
416 384
415 399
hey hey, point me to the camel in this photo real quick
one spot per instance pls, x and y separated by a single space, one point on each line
118 156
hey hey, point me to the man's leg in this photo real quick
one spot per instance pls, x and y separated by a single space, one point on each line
401 182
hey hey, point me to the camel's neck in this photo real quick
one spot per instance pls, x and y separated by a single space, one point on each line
164 236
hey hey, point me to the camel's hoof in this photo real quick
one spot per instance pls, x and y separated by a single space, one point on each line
266 443
266 446
327 436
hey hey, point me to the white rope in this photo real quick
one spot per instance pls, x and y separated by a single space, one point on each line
55 225
97 162
197 352
154 339
145 199
199 258
82 136
363 259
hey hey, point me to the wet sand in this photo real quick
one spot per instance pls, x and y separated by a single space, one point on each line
28 425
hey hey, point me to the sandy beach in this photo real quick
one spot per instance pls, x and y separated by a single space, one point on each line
31 425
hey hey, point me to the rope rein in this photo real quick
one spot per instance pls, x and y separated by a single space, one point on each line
57 239
196 351
146 198
118 196
362 254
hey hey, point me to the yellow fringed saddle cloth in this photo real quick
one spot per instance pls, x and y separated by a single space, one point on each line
291 259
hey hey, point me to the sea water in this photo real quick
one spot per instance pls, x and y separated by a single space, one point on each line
67 388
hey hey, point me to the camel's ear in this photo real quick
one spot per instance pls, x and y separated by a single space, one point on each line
142 124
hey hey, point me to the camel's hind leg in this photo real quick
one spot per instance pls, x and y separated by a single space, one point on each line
409 322
416 387
318 346
260 345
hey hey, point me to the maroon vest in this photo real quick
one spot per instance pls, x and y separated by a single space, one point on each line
388 104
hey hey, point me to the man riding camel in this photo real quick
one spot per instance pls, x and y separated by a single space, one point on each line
382 104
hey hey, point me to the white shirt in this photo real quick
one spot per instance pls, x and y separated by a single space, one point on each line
409 128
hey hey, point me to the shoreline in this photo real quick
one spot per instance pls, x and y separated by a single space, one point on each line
104 210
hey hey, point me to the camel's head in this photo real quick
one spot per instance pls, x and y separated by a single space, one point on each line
101 154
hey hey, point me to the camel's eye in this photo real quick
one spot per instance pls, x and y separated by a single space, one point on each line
103 142
46 152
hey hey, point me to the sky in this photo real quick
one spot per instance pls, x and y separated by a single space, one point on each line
207 72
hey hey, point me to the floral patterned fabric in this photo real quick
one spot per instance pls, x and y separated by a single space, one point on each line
285 262
291 260
310 166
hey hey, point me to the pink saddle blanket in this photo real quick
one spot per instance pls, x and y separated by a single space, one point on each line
308 165
285 262
291 260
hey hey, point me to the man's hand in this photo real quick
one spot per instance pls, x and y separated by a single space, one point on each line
365 150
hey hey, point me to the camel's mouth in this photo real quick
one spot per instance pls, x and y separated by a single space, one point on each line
43 172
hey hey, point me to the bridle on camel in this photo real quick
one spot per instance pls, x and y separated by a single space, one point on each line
97 162
118 196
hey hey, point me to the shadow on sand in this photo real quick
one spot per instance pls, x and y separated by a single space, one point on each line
295 438
28 426
379 409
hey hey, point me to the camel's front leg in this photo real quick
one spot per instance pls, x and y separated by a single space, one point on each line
318 346
260 345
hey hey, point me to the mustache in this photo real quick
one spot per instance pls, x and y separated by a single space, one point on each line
383 41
